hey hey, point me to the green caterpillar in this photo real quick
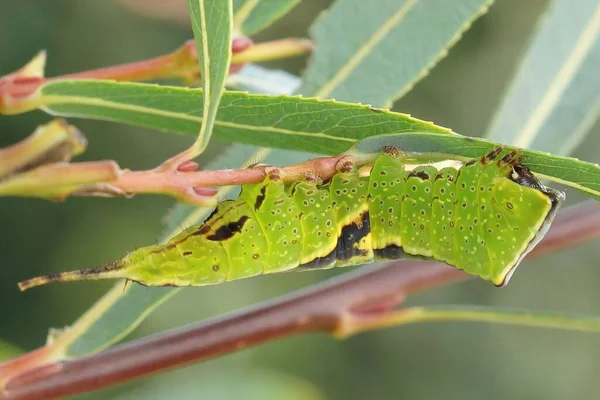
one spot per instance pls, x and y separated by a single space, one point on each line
482 217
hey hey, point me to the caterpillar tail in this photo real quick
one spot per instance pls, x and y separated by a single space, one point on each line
110 271
137 266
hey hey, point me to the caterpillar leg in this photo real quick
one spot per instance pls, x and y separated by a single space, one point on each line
393 151
313 178
272 174
488 158
345 164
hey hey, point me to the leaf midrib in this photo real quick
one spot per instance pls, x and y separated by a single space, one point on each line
50 100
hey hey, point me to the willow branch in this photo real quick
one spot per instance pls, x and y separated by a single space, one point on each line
17 87
193 187
181 181
357 301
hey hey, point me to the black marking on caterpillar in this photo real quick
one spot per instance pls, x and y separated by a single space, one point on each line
390 252
260 198
321 262
352 234
225 232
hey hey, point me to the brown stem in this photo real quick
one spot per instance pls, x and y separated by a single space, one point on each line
59 180
15 367
179 182
182 63
325 307
17 87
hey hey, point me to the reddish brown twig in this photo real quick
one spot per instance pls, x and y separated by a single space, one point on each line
189 186
181 64
342 306
18 87
179 181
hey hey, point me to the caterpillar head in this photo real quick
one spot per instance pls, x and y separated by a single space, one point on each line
528 207
524 177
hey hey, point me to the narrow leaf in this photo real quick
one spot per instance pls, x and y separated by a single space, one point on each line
252 16
374 54
212 24
293 123
555 97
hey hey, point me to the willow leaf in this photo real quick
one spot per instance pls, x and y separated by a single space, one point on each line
291 123
375 54
555 98
252 16
212 24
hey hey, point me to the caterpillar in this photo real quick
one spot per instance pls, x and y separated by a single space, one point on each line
482 217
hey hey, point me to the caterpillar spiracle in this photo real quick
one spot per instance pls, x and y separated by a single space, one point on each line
482 217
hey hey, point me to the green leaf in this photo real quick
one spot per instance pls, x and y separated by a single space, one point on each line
581 175
252 16
293 123
555 97
374 54
212 24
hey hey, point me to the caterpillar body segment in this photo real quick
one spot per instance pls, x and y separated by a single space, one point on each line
277 216
349 194
482 217
317 219
442 213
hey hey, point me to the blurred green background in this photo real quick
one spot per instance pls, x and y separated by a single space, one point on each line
428 361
